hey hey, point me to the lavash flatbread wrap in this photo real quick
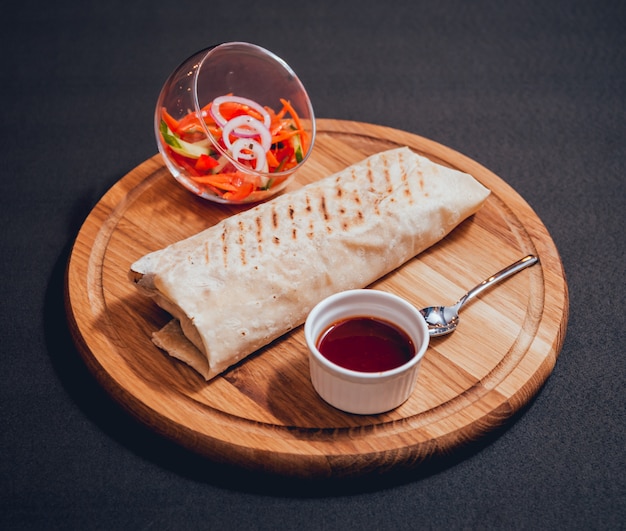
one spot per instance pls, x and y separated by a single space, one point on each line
238 285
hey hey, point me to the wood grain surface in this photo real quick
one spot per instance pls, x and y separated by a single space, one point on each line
264 414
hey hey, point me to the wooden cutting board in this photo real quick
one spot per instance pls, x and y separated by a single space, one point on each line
264 414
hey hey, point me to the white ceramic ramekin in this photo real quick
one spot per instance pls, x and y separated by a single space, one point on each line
363 392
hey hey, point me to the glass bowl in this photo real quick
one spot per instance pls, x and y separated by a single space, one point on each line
234 123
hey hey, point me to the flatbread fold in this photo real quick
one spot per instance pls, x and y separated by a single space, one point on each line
238 285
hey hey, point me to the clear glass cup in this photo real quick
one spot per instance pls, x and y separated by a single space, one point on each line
234 123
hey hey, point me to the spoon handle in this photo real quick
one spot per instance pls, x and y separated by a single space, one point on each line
525 262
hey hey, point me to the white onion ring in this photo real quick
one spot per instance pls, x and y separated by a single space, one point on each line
221 121
247 127
258 152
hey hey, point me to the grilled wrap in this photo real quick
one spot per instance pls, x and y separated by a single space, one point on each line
238 285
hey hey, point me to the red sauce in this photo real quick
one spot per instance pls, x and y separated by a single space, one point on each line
366 344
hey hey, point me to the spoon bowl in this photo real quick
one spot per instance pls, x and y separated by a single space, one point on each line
442 320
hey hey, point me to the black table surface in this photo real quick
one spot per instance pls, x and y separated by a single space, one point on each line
533 90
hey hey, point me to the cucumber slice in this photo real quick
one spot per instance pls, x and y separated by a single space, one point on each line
186 149
297 148
193 151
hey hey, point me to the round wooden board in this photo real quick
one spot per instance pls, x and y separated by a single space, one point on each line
264 414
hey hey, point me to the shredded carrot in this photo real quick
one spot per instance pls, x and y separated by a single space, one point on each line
272 161
171 122
294 114
217 183
215 178
282 112
284 136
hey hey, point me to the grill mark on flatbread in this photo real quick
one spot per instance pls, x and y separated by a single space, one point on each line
404 178
372 188
325 213
275 217
259 233
224 248
408 194
376 208
240 241
309 213
370 175
345 224
387 176
357 200
292 214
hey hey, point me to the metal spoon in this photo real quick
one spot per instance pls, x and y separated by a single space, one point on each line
442 320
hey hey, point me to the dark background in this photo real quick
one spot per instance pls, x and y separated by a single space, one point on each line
533 90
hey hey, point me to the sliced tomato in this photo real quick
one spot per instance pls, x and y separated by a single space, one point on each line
205 163
184 162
